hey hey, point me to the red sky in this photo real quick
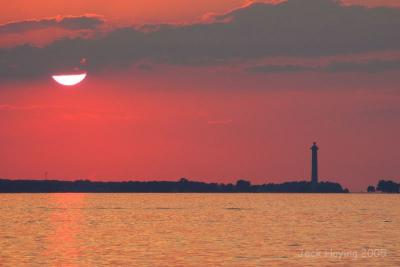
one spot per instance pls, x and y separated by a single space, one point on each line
210 123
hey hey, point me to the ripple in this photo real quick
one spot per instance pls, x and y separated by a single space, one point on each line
163 208
233 208
195 229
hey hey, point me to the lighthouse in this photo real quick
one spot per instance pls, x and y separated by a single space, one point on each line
314 165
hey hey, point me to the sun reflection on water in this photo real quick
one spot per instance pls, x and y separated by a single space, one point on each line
63 245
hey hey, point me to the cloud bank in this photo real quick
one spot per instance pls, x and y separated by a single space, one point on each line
372 66
85 22
293 28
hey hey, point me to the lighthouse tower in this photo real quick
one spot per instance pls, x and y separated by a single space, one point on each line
314 165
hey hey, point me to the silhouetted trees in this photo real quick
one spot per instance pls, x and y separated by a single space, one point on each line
302 187
243 186
388 187
181 186
371 189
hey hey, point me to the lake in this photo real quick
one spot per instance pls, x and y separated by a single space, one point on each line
199 230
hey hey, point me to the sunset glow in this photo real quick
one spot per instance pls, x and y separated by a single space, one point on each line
208 90
208 133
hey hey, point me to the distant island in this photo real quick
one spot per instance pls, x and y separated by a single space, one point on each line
385 186
182 186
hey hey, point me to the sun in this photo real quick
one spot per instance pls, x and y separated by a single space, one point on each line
69 79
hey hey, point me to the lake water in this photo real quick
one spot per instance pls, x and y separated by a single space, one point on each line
199 230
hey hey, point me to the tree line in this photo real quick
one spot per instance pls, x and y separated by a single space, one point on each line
385 186
182 186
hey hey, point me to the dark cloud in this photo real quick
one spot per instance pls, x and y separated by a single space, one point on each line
372 66
295 28
281 68
69 23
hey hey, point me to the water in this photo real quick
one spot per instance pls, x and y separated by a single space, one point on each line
199 230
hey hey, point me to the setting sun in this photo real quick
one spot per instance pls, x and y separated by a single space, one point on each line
69 80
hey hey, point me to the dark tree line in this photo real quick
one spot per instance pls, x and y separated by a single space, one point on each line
181 186
385 186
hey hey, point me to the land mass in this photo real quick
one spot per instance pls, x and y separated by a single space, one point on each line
385 186
181 186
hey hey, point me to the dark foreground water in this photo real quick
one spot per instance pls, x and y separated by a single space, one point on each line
199 230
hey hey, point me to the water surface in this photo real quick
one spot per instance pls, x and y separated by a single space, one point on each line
199 230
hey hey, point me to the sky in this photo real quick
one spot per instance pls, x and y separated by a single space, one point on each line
209 90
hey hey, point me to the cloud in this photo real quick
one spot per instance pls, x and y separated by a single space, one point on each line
8 107
280 68
69 23
372 66
293 28
70 113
